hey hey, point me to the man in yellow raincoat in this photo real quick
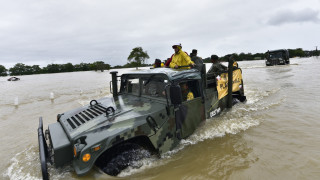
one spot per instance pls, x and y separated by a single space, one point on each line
180 58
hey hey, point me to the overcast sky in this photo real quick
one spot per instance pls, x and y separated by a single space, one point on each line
60 31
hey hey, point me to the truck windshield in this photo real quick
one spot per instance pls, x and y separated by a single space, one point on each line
276 55
151 86
154 87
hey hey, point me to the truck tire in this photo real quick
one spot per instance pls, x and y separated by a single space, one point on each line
112 162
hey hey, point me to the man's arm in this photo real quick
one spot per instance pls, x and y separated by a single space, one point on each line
172 63
223 67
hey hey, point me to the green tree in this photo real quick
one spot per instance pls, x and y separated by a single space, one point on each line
18 69
3 71
207 60
258 56
225 58
53 68
117 67
67 67
138 56
296 52
100 65
28 70
36 69
82 67
300 52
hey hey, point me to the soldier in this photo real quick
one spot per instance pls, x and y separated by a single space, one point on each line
180 58
216 67
157 63
186 93
196 59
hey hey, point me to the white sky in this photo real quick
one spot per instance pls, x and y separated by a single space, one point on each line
60 31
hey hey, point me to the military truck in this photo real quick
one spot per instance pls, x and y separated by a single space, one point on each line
277 57
148 114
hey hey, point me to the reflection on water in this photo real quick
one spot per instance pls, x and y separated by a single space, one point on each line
273 136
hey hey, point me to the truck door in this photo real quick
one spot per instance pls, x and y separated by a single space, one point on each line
191 112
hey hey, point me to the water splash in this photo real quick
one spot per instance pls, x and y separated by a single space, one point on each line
232 122
144 164
222 127
239 119
21 166
25 165
254 95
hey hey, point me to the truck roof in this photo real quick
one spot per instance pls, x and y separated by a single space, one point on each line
278 50
171 74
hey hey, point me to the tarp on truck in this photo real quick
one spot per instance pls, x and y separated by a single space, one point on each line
222 83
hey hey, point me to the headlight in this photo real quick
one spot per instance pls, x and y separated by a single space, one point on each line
86 157
96 148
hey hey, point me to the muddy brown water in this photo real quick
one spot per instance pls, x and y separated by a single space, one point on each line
275 135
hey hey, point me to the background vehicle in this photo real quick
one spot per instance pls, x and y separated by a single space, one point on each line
147 115
13 79
277 57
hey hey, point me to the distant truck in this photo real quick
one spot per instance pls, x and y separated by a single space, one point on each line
277 57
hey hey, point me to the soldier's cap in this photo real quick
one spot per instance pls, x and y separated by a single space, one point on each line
175 45
194 51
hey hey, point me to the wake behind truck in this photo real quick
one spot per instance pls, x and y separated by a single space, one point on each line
148 114
277 57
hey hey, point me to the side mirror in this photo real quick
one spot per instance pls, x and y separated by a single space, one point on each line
175 94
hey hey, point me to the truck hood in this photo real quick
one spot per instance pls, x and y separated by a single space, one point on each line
128 109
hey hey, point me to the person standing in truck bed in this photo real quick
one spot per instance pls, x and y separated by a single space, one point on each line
196 59
180 58
216 67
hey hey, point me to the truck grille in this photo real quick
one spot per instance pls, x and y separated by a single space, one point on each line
86 115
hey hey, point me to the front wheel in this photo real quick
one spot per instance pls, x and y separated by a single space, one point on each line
113 161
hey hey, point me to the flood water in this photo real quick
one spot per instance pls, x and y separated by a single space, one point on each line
274 135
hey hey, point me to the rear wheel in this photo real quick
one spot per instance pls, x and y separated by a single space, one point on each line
113 161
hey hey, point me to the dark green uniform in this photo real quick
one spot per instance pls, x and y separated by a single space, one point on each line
217 68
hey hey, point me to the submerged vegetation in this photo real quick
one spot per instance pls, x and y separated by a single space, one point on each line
136 59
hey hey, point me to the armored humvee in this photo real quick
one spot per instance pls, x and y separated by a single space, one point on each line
277 57
149 112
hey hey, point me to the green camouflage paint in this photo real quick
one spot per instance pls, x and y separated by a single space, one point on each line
135 115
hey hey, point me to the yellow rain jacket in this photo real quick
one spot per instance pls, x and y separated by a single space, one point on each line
181 59
190 96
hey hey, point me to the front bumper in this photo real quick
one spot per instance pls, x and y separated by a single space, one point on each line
43 151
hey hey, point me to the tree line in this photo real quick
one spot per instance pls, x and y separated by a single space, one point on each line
22 69
299 52
136 59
